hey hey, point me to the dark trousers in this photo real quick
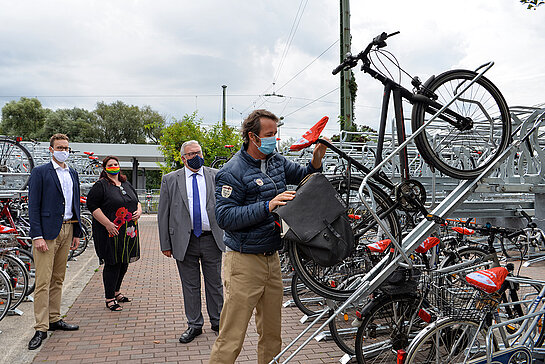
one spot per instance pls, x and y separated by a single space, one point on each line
201 252
112 276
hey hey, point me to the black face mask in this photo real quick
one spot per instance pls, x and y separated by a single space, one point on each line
196 162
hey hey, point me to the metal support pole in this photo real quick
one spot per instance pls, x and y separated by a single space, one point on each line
346 97
223 106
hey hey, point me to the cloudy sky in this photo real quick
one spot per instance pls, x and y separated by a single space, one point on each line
176 55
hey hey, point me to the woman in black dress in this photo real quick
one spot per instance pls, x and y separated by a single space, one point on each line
116 210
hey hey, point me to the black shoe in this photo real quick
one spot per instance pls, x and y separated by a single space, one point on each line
216 328
189 335
61 325
36 340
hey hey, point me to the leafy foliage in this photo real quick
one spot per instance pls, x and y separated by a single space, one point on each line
78 124
212 140
24 118
532 4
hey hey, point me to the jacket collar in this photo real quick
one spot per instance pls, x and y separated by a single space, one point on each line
251 160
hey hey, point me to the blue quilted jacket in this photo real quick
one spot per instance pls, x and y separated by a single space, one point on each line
243 193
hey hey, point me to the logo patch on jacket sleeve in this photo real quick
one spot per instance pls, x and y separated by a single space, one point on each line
259 182
226 191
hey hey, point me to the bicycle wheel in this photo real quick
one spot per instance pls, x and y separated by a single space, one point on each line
305 300
389 323
28 260
338 282
344 327
5 293
448 341
463 151
18 278
16 163
218 162
83 242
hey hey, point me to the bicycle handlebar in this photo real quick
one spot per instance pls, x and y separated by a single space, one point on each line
351 61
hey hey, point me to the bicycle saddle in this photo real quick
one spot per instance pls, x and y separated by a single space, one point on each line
380 246
427 244
488 280
463 230
310 136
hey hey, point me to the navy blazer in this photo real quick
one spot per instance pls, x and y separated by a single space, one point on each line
46 202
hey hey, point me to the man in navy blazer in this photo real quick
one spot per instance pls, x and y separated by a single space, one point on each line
54 212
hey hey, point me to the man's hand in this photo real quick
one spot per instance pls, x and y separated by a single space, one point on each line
75 243
167 253
40 245
318 154
281 199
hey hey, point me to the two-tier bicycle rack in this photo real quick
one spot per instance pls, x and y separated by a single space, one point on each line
378 274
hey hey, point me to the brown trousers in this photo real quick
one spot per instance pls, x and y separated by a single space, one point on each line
50 270
250 281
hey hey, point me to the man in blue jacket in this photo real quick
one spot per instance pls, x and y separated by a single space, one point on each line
248 188
54 213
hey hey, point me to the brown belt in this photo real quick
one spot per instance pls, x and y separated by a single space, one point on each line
70 222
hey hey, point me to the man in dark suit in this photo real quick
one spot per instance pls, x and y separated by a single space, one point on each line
54 212
188 231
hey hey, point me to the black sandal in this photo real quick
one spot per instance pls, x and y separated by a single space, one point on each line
113 305
122 298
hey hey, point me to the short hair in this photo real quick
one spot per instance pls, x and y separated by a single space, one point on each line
189 142
57 136
252 123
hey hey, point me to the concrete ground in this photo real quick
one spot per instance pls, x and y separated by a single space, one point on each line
148 328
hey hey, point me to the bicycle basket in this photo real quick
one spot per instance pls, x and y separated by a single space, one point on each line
457 299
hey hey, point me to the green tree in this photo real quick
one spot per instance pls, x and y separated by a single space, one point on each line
212 140
153 124
24 118
120 123
532 4
78 124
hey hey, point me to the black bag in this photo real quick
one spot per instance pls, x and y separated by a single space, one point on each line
318 221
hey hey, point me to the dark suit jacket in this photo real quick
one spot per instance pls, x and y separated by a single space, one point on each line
173 213
46 202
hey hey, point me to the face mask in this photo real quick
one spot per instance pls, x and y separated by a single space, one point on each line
196 162
267 145
112 170
61 155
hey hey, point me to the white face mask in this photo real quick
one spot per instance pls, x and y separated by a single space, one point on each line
61 155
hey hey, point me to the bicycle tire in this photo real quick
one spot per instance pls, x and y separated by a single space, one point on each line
338 282
18 278
218 162
14 158
453 338
5 294
83 242
344 327
306 301
28 259
463 154
384 328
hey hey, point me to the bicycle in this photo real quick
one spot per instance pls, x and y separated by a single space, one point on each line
461 125
220 160
467 334
16 163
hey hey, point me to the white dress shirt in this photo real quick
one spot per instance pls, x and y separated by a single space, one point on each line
66 184
202 196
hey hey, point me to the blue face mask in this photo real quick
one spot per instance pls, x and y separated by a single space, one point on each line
267 145
196 162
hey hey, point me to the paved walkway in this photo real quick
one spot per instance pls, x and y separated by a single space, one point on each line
148 328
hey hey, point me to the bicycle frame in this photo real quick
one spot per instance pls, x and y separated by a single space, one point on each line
529 322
